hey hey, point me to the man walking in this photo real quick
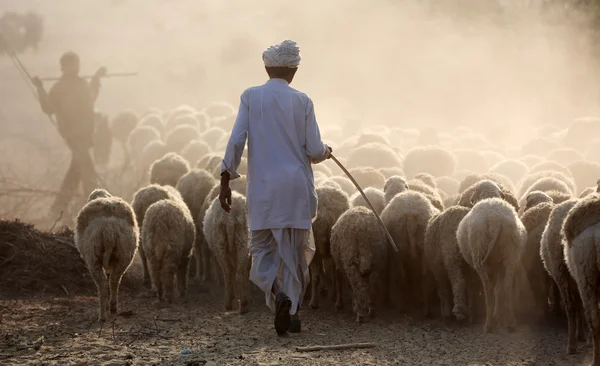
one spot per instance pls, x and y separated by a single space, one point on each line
283 140
71 99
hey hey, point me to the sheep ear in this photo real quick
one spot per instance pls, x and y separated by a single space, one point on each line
472 200
502 195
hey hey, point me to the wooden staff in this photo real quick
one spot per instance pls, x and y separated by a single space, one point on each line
368 202
114 74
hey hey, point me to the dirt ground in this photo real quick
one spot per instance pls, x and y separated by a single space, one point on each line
147 334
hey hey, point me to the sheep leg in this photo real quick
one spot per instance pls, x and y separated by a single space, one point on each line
338 278
459 290
360 294
198 254
566 295
182 276
167 274
101 281
556 305
314 279
243 281
145 266
229 276
589 297
205 258
443 292
115 281
374 285
506 287
579 313
154 267
488 289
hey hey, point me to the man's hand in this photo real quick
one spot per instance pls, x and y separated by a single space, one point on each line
225 193
100 73
37 82
329 151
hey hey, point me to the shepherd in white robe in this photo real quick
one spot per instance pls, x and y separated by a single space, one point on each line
283 140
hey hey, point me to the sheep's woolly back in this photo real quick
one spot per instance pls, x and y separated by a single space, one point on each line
433 160
153 120
451 201
584 173
210 161
471 160
358 242
431 194
428 179
153 151
375 196
145 197
531 160
122 125
108 208
493 157
227 234
333 203
448 184
168 232
168 169
370 137
551 248
368 177
479 191
584 214
329 184
532 178
185 120
504 182
413 205
565 156
139 138
390 172
345 183
374 155
536 216
538 146
586 192
178 138
535 198
393 186
194 186
321 168
552 166
242 169
491 233
98 193
239 185
213 136
513 169
195 150
545 185
558 197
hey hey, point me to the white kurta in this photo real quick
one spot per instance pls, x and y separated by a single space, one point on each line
282 132
283 137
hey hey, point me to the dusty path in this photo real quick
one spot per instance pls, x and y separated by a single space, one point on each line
72 337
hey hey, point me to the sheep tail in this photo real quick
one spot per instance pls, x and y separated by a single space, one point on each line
109 239
494 231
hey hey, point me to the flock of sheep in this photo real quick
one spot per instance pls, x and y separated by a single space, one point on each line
512 232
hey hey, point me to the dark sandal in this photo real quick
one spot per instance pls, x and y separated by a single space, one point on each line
282 313
295 326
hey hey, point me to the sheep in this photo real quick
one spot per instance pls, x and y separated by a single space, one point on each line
582 233
209 161
443 259
586 192
530 179
369 138
142 199
581 133
98 193
393 186
367 177
320 168
359 250
242 169
565 156
538 146
168 169
122 125
544 185
531 160
239 185
178 138
499 179
553 258
493 157
182 110
333 202
139 138
433 160
195 150
534 219
168 235
491 238
550 166
227 236
428 136
106 236
345 183
152 152
513 169
212 136
218 109
183 120
432 194
374 155
153 120
406 218
428 179
471 160
203 121
390 172
448 185
375 196
486 189
451 200
584 173
330 184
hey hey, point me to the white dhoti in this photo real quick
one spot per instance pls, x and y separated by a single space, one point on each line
284 254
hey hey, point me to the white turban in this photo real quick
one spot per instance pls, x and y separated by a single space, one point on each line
285 54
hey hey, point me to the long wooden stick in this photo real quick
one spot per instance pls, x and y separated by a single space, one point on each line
335 347
114 74
368 202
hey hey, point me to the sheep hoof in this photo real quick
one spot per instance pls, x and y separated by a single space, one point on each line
360 319
313 305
